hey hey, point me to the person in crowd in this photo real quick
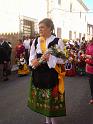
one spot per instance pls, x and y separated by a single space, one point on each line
69 67
5 57
10 52
47 94
89 66
1 60
81 63
19 49
27 44
22 66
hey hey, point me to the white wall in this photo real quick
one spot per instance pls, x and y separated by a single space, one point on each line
66 20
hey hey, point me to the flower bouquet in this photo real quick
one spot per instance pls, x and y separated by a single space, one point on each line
55 51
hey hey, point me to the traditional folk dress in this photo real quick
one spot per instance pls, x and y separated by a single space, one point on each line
70 67
20 49
47 99
22 67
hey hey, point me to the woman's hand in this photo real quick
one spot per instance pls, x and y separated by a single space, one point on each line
45 57
35 63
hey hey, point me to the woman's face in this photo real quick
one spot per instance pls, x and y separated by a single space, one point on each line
44 30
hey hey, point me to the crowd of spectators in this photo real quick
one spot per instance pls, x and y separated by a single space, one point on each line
74 49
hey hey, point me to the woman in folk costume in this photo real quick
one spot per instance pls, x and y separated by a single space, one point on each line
47 95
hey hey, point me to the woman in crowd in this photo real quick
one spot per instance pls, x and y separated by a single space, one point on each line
47 95
20 49
89 66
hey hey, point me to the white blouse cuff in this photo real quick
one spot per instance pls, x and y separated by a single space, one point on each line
52 61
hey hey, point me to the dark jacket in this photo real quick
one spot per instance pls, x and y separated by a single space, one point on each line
5 51
2 54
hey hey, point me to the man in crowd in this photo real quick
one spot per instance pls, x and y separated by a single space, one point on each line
4 58
27 43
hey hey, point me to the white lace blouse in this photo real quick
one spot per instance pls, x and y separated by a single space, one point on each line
52 59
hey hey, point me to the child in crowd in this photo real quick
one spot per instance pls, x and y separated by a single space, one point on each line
22 66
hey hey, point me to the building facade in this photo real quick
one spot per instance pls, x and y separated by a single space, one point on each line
70 18
27 26
89 31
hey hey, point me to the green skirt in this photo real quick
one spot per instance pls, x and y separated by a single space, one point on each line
48 102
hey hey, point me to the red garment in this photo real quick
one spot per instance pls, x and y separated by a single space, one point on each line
89 62
70 72
20 49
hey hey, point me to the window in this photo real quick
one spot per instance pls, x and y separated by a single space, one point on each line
70 35
84 35
80 14
88 29
59 32
74 35
59 2
85 18
70 7
80 36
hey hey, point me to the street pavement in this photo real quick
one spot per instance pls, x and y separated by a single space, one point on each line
13 102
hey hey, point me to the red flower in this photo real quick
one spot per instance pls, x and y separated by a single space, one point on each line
55 91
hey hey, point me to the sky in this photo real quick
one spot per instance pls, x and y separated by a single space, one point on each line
10 9
89 3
